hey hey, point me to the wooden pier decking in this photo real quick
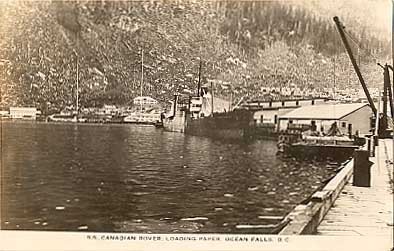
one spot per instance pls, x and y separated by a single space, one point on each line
365 211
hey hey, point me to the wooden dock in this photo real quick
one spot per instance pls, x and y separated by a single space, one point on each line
365 211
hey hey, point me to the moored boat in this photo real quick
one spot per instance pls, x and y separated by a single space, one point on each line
228 125
175 119
314 145
201 118
63 117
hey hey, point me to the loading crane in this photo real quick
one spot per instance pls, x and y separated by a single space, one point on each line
380 118
340 28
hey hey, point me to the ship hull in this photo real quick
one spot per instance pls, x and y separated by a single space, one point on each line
175 123
233 125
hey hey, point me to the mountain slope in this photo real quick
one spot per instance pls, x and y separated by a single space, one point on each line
248 45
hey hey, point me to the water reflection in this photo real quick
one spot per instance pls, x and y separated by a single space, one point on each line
141 179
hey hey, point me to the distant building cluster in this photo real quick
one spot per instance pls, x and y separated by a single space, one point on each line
295 92
147 104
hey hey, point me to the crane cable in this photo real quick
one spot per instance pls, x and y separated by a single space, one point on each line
359 46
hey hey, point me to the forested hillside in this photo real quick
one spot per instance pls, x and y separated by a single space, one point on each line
259 24
249 45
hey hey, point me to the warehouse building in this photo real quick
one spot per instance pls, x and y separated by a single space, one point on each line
350 118
268 112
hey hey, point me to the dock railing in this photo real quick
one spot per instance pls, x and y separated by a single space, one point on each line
305 218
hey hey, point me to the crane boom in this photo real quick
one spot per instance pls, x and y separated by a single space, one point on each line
354 63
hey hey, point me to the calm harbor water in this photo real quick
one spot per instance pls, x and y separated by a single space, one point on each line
127 178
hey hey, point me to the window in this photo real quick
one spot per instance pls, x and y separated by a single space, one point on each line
297 102
283 103
344 124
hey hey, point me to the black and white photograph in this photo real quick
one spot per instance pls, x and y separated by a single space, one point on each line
198 122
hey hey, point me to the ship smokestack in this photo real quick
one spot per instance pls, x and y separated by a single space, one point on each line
175 104
199 79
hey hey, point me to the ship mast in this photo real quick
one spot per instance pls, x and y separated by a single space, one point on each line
77 82
77 75
212 99
142 75
77 86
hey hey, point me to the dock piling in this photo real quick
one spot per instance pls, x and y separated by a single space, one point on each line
362 169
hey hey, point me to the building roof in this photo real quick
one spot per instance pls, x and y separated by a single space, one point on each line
324 111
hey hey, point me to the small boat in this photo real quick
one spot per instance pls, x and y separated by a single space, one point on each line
63 117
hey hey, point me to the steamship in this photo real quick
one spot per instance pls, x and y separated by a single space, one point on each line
208 117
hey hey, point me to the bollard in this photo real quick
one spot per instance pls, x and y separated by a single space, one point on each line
373 145
361 169
376 140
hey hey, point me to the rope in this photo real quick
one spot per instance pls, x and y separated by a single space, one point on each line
359 46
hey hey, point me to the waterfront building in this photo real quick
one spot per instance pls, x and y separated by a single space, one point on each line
26 113
349 117
267 112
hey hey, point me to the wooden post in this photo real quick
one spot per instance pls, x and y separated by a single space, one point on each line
392 52
390 93
377 125
361 169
